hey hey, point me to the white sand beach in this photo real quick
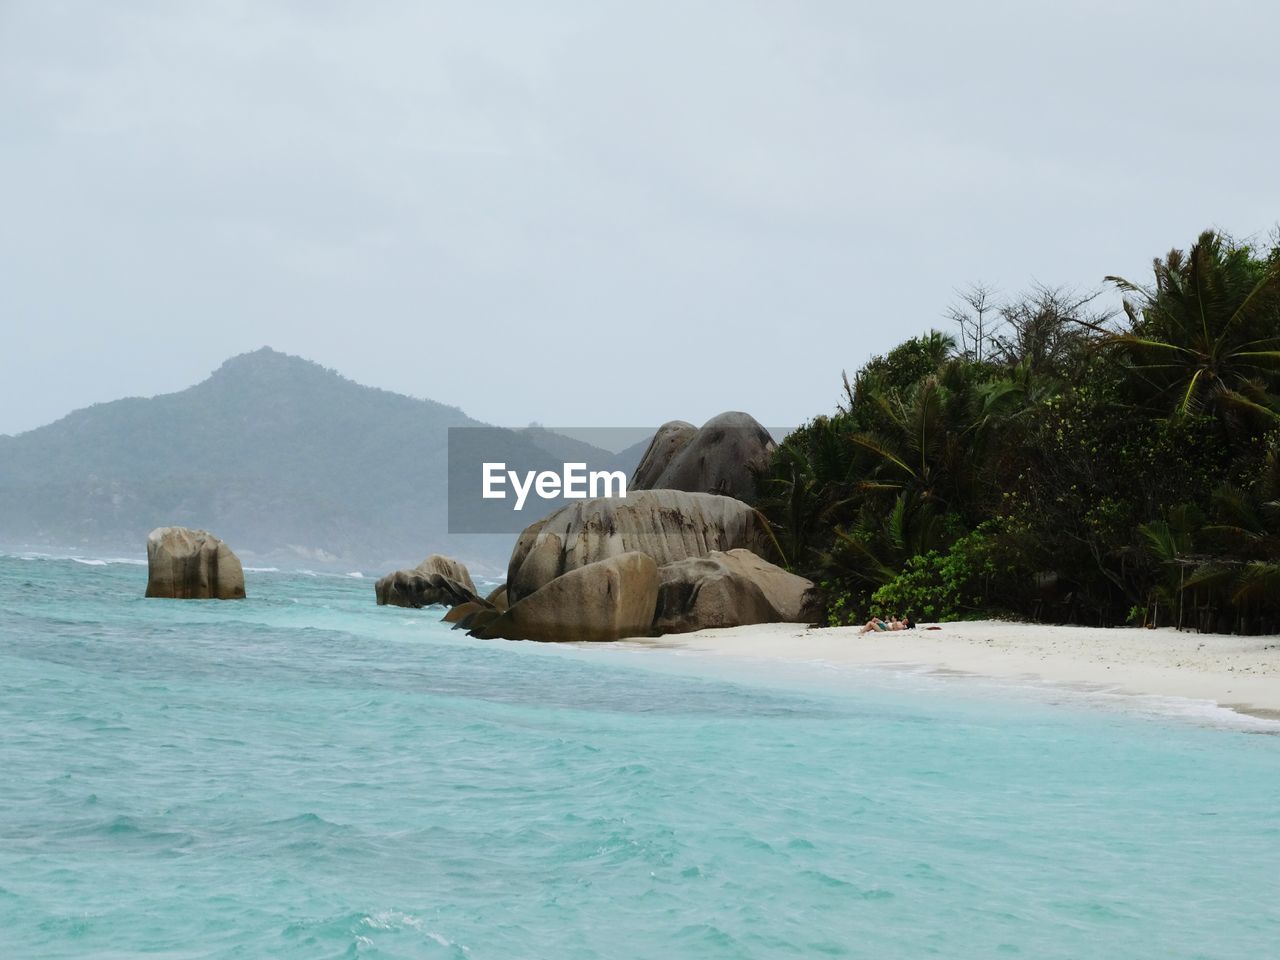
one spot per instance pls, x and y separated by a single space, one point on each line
1242 673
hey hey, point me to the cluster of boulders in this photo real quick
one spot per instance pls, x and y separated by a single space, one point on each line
681 552
677 554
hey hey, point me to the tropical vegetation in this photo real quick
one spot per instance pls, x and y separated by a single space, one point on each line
1054 460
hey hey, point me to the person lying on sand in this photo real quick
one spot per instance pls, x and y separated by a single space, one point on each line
893 623
878 624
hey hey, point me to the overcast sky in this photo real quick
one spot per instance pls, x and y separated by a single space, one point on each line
591 213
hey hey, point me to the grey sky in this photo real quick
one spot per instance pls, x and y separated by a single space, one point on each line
590 213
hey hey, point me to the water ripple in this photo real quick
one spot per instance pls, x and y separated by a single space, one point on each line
308 775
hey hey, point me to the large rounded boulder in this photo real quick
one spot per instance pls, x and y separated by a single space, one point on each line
436 580
189 564
671 438
666 525
702 593
728 589
717 458
790 595
609 599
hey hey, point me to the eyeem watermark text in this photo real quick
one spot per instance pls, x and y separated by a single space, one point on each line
573 482
501 479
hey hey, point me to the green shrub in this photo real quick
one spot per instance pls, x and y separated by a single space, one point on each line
979 573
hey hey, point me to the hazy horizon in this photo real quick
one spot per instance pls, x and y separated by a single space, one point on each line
613 438
588 214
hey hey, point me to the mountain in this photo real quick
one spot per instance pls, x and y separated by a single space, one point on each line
284 459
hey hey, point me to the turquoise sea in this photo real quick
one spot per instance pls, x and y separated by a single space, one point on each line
305 774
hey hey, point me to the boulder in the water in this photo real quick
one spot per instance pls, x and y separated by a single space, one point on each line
436 580
498 597
461 611
190 564
606 600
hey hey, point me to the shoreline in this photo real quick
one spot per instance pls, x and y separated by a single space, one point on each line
1237 673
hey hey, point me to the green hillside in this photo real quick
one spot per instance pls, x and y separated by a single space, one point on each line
286 460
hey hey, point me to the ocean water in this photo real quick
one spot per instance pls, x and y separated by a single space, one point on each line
305 774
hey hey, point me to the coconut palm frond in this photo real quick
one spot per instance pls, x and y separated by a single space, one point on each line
1128 286
882 449
1259 580
1211 575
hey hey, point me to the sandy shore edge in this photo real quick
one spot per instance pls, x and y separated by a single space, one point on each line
1239 673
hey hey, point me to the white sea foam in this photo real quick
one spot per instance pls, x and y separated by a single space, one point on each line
915 679
357 574
1111 698
87 561
391 920
262 569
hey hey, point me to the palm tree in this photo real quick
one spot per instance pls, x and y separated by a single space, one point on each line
1205 338
925 444
1230 565
875 550
1171 543
1249 522
805 484
898 371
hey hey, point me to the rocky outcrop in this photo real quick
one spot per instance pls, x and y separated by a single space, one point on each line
477 611
701 593
458 613
672 437
474 620
192 565
498 597
730 589
716 458
449 568
608 599
666 525
437 579
790 595
409 588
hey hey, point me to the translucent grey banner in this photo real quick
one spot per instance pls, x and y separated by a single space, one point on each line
501 480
